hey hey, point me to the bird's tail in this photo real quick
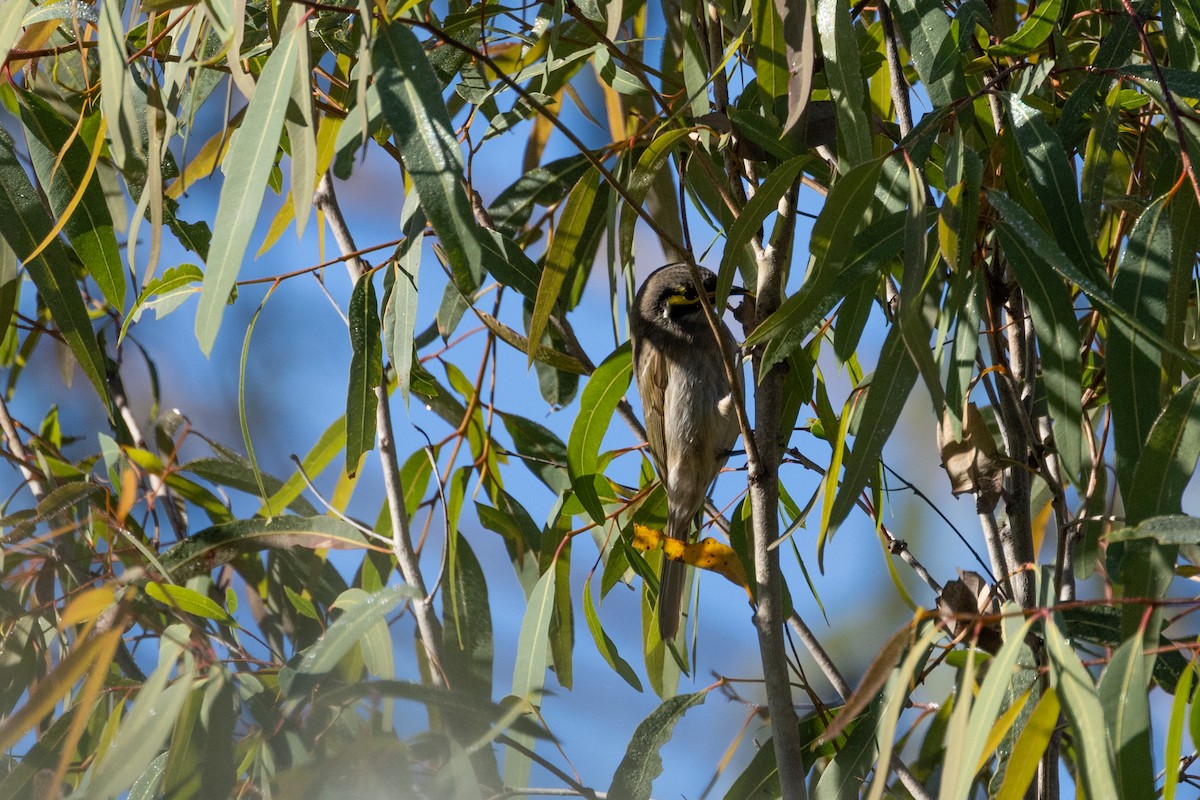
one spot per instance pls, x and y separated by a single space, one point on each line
671 580
670 597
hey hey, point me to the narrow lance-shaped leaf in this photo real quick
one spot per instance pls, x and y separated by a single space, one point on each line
247 167
603 392
1050 175
753 215
116 101
366 372
302 132
413 107
11 14
24 224
400 315
635 774
561 256
1074 687
1132 362
144 729
533 647
797 18
844 74
1033 32
894 378
925 27
62 174
1123 696
770 61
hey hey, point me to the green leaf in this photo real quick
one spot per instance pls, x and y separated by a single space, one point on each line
144 729
1102 625
61 174
210 548
116 101
400 304
412 105
844 74
1098 160
1181 82
1032 33
529 676
845 213
770 61
963 752
1053 183
1171 530
185 599
366 372
896 694
925 27
354 624
1169 457
163 294
645 173
247 167
563 255
785 330
601 395
1077 692
894 378
635 774
1173 749
605 645
1058 346
24 225
1132 362
1123 695
301 129
1050 257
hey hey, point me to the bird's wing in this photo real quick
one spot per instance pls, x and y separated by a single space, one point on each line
651 374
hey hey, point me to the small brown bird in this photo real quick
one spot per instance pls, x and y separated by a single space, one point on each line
690 419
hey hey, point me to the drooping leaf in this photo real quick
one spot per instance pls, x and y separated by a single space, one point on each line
412 105
366 372
247 168
61 160
844 73
529 678
24 224
635 774
1075 689
563 254
1123 696
925 27
601 394
1132 363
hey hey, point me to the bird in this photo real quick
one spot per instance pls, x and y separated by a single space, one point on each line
688 402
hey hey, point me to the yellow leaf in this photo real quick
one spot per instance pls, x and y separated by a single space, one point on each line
709 554
87 606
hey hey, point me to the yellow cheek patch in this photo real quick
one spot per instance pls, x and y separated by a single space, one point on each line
680 298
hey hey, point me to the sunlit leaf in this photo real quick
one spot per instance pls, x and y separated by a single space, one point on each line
247 168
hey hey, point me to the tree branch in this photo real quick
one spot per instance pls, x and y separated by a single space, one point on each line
428 626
